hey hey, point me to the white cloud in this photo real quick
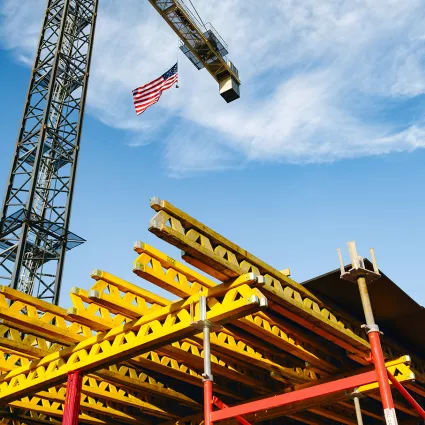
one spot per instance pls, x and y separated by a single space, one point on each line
316 76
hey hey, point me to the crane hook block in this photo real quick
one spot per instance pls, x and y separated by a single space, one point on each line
229 89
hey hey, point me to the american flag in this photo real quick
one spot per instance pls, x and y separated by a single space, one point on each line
150 93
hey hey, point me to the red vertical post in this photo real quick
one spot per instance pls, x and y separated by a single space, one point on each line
381 371
207 375
377 354
358 273
72 400
208 401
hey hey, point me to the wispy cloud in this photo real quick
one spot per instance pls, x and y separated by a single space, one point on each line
322 80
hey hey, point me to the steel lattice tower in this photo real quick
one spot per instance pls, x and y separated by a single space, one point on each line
34 234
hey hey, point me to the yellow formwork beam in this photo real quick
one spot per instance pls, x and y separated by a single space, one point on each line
26 313
235 255
106 391
128 377
183 281
123 375
186 352
225 344
126 287
151 331
56 410
52 404
179 279
93 387
109 396
168 273
31 418
8 361
214 254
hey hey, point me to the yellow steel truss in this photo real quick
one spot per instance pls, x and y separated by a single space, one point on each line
223 259
157 328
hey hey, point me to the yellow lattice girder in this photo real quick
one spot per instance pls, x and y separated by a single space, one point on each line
104 394
49 402
127 287
168 273
175 277
166 362
297 373
26 313
122 297
129 377
24 343
235 254
170 367
400 368
186 352
227 343
56 410
93 387
94 315
213 252
30 417
108 301
183 281
163 365
124 376
156 329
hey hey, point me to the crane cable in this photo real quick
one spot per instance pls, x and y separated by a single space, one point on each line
194 8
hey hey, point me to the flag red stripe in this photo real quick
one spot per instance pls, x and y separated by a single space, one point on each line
148 84
149 94
152 89
143 108
145 98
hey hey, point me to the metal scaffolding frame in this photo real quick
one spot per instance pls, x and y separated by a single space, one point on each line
131 356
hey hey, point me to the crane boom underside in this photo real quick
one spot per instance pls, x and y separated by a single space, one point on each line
202 45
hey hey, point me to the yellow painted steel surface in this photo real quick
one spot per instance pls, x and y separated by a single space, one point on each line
143 359
188 30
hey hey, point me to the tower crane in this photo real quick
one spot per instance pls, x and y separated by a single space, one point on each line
35 217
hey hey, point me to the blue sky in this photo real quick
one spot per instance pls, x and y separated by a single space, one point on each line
324 146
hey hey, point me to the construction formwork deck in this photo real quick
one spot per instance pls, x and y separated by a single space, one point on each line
142 356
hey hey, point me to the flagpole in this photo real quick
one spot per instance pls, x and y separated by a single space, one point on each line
177 57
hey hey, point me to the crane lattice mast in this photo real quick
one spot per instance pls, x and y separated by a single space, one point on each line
34 226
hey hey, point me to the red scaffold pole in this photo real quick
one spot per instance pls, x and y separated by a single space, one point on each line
377 355
72 400
207 401
406 395
294 397
359 274
222 405
207 375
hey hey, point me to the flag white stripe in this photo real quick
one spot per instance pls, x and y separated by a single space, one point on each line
149 94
